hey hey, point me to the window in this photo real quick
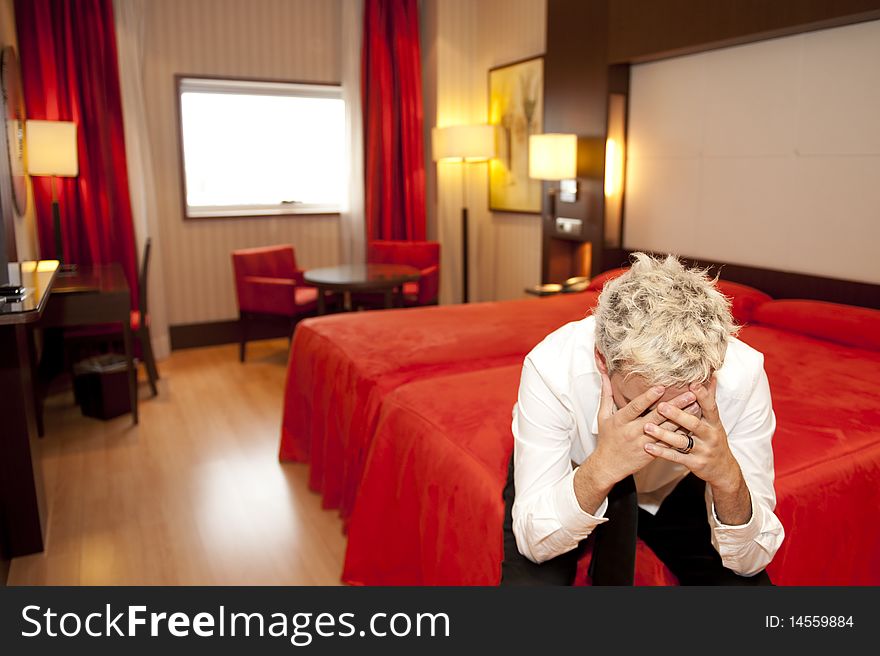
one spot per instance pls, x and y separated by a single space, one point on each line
261 148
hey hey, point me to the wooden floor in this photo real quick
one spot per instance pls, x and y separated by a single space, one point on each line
193 495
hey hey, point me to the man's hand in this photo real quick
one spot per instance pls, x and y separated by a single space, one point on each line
710 458
620 450
693 409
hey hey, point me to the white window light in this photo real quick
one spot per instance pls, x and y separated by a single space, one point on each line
262 148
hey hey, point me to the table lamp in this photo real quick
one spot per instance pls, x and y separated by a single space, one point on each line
51 150
553 157
464 144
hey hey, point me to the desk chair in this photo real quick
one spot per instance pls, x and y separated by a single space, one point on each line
140 326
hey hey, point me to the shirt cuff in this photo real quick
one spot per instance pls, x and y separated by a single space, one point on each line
735 535
573 518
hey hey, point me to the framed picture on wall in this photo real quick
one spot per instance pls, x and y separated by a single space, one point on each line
516 106
13 120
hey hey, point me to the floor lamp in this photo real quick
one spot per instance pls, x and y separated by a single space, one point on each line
51 151
464 144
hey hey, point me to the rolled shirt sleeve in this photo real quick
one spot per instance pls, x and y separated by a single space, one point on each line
547 518
747 549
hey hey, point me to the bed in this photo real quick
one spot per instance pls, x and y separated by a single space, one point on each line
429 510
405 419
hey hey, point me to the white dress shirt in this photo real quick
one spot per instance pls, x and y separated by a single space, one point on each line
555 425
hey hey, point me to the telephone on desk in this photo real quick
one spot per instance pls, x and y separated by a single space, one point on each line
575 284
12 293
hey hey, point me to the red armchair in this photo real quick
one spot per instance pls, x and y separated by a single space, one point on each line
423 255
268 283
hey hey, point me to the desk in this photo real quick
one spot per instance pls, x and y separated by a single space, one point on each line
22 510
360 278
94 294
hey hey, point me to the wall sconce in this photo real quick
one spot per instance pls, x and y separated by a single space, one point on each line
554 157
463 144
615 167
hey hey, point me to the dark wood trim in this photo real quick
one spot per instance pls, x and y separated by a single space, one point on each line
576 85
178 131
649 30
778 284
514 63
23 511
214 333
22 493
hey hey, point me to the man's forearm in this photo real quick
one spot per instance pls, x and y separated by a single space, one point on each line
733 503
591 486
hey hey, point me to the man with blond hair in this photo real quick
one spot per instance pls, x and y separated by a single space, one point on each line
650 419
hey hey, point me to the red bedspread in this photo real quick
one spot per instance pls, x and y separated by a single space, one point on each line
827 449
340 369
429 508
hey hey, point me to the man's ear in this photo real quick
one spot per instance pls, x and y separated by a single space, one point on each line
600 362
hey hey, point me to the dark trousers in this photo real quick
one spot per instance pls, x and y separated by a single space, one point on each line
679 534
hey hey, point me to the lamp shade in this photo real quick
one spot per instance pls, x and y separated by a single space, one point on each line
51 148
472 143
553 156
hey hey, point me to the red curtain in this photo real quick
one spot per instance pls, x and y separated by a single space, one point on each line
394 165
70 73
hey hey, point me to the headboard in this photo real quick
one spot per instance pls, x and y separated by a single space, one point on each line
779 284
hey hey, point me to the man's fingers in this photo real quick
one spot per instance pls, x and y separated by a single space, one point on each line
692 409
706 398
679 401
668 437
680 417
606 404
642 402
658 450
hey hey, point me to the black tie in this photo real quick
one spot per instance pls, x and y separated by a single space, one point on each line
614 549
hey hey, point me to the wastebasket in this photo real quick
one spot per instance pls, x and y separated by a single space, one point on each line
100 386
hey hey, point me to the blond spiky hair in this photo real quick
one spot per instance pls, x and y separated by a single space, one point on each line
663 321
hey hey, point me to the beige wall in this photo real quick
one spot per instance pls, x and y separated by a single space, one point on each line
510 242
277 39
25 226
462 39
765 155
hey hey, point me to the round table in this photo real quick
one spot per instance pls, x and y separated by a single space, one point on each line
349 278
